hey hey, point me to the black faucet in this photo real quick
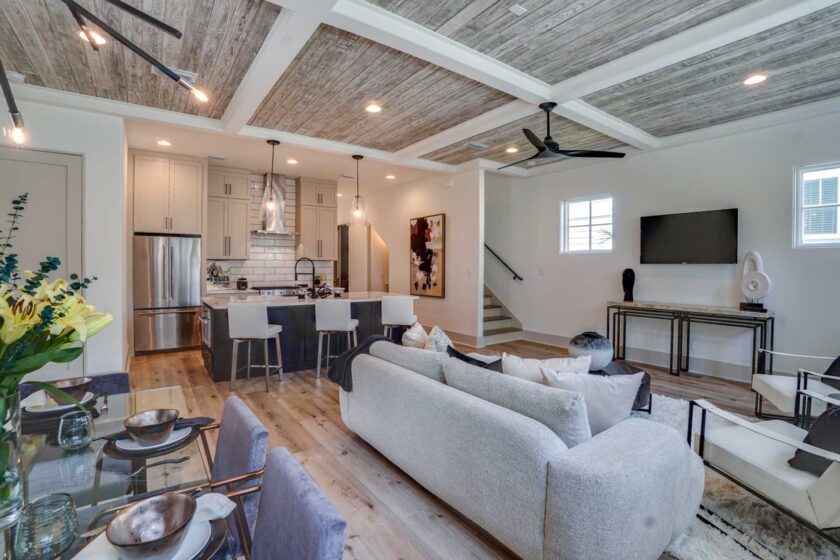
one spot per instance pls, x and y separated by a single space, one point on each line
312 264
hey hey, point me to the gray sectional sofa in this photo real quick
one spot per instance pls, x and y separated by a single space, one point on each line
625 493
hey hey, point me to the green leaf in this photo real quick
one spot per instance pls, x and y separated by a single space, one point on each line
37 361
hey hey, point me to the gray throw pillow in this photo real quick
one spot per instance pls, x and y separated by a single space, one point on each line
563 412
424 362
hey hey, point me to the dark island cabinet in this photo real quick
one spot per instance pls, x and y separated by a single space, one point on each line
299 340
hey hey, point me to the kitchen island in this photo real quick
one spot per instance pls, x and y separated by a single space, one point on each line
299 340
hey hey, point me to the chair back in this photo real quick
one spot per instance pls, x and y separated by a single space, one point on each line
296 520
240 449
398 310
247 320
834 371
332 315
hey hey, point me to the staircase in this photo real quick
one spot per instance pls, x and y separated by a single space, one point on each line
499 324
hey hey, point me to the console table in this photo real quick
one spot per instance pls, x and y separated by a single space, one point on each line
681 318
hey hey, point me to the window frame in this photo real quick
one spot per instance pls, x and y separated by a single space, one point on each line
798 206
564 221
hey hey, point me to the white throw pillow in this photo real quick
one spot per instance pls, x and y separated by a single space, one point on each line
415 337
609 398
438 341
528 369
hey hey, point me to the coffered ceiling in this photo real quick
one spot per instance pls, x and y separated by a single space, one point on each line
326 88
39 38
570 135
557 39
801 60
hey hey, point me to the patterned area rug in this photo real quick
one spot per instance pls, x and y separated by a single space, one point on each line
732 524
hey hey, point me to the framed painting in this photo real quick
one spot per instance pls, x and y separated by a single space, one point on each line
428 256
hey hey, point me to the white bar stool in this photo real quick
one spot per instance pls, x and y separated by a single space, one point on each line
248 322
333 317
397 311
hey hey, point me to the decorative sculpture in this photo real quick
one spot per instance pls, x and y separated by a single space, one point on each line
755 284
628 279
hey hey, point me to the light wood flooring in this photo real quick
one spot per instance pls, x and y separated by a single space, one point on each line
389 515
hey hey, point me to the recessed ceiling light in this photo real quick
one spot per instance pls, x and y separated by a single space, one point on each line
164 143
338 195
373 108
755 79
390 177
291 161
512 150
518 10
97 38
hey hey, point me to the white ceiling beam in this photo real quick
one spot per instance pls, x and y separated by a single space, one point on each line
290 32
601 121
495 118
736 25
382 26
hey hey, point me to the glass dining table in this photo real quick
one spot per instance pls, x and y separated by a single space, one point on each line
99 478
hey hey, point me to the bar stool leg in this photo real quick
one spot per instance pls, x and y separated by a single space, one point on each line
355 338
320 347
267 363
233 364
248 371
329 350
349 341
279 358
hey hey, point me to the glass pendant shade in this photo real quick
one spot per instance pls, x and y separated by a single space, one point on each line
273 207
358 216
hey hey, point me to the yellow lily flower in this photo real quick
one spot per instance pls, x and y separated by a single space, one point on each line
19 318
48 291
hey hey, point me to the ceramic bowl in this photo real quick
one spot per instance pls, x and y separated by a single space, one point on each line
76 387
152 426
152 528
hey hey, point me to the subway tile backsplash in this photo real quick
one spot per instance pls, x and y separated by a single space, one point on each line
272 260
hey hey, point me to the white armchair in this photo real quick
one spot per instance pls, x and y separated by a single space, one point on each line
755 456
781 389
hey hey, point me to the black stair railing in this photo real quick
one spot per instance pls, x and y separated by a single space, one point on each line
504 264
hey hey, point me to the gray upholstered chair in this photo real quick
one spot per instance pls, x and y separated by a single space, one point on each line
296 520
240 449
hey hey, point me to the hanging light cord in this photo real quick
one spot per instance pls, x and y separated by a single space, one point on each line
357 178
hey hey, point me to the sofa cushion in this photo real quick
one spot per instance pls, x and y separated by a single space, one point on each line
424 362
563 412
415 337
609 400
438 340
528 369
495 365
825 434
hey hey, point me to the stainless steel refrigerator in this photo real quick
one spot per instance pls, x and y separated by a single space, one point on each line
167 292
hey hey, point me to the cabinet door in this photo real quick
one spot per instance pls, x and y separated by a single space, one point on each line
185 195
327 233
216 183
151 194
238 230
239 185
216 235
309 193
308 228
328 192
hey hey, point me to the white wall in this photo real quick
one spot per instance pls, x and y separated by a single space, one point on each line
100 140
389 212
565 294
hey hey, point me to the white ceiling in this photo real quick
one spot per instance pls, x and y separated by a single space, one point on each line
255 155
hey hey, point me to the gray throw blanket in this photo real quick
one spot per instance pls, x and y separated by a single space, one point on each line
340 371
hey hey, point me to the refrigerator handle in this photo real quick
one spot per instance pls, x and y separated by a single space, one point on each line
171 271
166 294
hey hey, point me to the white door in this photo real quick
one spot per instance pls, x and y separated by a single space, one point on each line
238 231
216 236
52 221
308 227
185 189
151 194
216 183
328 233
239 185
310 194
328 195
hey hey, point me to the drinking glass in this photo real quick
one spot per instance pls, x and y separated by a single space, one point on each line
75 430
46 528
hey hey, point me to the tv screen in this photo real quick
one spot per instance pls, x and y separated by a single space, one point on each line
691 238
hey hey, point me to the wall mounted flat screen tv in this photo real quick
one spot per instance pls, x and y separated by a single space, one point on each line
691 238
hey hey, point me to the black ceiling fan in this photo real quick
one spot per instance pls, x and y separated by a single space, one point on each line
548 148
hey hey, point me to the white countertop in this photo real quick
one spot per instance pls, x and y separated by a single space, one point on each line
222 301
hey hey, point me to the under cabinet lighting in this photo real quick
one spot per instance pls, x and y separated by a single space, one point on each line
373 108
166 143
755 79
97 38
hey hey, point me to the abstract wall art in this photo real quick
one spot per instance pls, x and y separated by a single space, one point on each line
428 256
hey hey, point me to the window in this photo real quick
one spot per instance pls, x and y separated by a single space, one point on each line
817 214
587 225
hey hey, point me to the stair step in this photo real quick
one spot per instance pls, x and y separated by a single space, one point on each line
505 330
497 318
492 306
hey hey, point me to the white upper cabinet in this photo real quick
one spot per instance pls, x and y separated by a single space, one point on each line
317 192
168 194
228 183
317 219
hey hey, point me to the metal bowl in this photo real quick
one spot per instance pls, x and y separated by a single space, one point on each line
154 527
152 426
76 387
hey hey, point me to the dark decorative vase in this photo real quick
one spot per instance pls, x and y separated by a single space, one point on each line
628 279
592 344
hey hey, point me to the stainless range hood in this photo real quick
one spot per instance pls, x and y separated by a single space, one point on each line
273 207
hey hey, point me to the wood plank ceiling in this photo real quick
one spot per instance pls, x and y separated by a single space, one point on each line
39 38
569 134
801 59
558 39
325 90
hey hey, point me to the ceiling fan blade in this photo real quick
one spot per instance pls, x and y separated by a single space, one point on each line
534 139
589 153
535 156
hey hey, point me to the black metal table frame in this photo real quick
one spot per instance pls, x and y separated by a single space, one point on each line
763 331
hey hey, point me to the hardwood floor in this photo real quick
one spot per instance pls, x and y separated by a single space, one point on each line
389 515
